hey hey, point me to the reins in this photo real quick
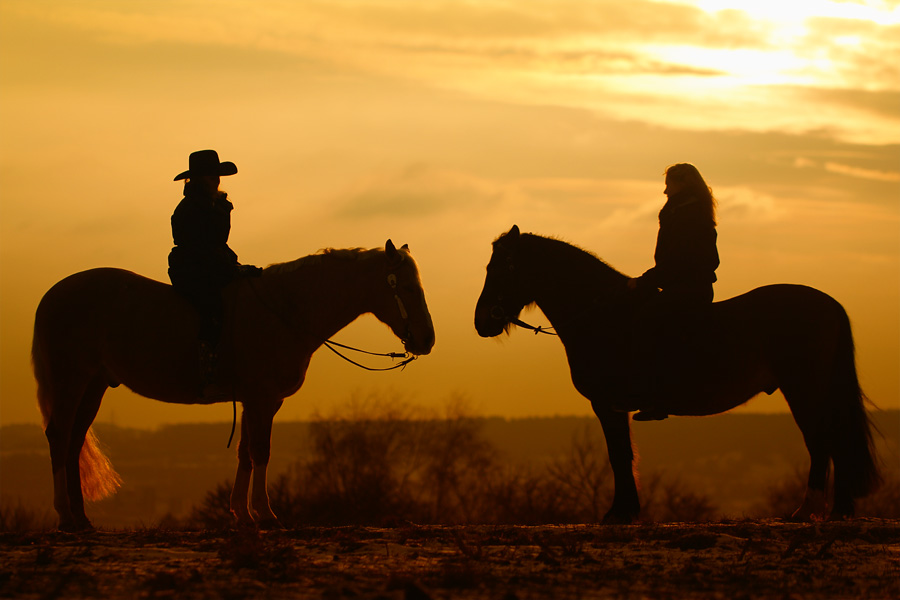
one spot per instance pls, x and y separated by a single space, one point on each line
498 314
536 330
330 344
406 356
593 306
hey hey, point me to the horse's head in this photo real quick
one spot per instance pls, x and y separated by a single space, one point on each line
403 307
503 297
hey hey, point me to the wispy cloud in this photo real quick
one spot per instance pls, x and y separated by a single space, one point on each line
890 176
417 191
704 67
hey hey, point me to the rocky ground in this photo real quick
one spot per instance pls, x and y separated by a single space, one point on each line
730 560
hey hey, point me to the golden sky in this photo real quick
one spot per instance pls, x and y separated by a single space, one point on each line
441 124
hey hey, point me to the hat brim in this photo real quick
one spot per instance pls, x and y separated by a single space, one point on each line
223 169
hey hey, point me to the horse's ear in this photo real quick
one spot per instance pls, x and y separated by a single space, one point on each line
405 247
511 237
391 251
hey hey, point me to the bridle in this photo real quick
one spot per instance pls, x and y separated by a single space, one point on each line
331 345
498 313
406 356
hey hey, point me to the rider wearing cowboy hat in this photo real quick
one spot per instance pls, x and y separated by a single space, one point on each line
201 263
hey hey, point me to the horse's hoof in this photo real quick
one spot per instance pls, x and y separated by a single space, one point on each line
79 526
271 525
617 518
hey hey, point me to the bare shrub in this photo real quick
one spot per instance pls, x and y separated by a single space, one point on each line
18 518
214 511
885 502
583 479
783 497
375 461
458 468
667 500
378 461
524 496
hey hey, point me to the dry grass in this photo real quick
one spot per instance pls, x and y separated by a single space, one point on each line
740 559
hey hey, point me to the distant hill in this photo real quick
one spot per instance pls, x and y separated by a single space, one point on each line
733 458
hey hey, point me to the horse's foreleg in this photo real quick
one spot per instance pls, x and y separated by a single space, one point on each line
260 428
240 493
626 506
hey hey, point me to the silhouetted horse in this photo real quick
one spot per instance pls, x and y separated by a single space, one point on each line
105 327
781 336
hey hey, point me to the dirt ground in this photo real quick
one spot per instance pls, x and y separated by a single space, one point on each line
729 560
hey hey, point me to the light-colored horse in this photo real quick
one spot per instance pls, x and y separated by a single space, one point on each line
104 327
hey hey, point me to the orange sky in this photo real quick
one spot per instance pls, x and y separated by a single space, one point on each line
441 124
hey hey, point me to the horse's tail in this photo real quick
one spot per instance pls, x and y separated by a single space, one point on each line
853 449
98 477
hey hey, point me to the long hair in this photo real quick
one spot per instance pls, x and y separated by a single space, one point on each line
694 184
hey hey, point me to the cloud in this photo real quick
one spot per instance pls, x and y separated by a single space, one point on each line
746 205
840 168
417 191
890 176
861 54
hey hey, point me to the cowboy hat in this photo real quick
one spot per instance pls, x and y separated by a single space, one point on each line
206 162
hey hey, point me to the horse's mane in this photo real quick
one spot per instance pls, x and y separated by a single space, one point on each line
322 256
571 253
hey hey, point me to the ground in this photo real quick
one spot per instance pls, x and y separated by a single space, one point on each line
729 560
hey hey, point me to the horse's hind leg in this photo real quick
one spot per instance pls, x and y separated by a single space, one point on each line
84 416
58 431
812 425
65 438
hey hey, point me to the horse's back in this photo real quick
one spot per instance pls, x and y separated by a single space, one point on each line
785 305
89 292
87 307
93 283
783 322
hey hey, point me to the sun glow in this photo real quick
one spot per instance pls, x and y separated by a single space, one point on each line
787 15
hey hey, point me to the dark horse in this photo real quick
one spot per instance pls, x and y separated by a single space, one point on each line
790 337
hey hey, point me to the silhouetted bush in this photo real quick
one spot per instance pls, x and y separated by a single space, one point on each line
17 518
376 462
668 501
